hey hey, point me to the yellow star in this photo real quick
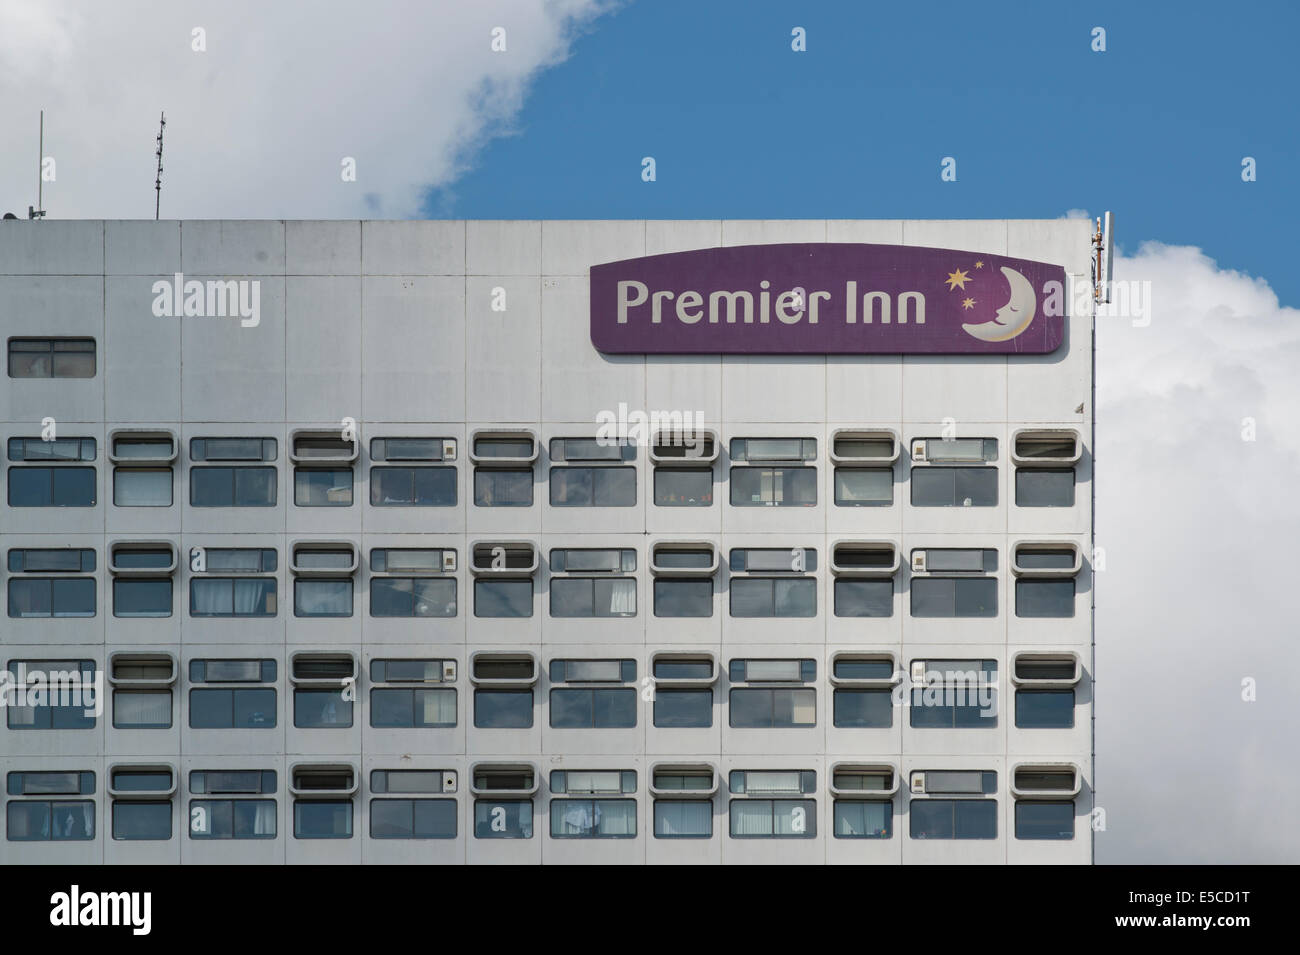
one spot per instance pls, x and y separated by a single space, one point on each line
968 303
979 265
958 279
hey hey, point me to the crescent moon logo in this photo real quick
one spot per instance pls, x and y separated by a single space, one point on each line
1013 317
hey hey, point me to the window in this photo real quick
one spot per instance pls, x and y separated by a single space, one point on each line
683 692
953 818
240 816
408 817
1045 691
683 585
593 596
773 487
595 818
1045 586
38 819
683 475
864 819
771 818
142 476
954 596
503 808
595 485
323 587
863 695
232 597
51 358
142 690
248 703
857 597
683 808
40 596
322 476
142 805
773 596
322 808
503 472
954 694
412 596
142 583
69 701
767 707
593 707
413 485
1044 820
323 690
233 486
504 587
864 473
59 485
954 487
503 692
407 694
1045 474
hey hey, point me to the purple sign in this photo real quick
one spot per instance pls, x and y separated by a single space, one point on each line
822 298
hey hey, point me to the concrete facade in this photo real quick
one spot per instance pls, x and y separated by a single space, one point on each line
392 325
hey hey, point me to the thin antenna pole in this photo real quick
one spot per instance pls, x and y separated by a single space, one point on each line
40 158
157 182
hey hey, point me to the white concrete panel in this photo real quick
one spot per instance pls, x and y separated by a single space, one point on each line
322 350
577 381
323 248
134 245
572 247
503 247
235 372
51 247
505 349
413 343
229 248
772 231
413 248
675 235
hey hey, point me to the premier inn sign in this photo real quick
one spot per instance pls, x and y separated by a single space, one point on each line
828 299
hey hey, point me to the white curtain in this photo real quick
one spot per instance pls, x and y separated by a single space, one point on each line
439 707
264 817
621 596
751 817
683 817
139 707
142 487
249 595
616 817
211 596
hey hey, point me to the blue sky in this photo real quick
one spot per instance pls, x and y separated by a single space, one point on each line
1154 129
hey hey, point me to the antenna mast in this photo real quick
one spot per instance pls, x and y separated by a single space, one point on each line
157 182
36 212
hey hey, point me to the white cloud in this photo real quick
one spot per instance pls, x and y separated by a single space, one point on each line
1199 529
257 126
1075 214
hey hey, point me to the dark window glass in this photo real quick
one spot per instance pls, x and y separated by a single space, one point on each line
613 708
142 487
413 819
232 819
51 358
1044 820
1045 598
494 597
413 708
322 597
142 597
593 487
593 597
67 700
252 708
51 487
683 598
954 707
321 709
142 709
954 487
503 709
683 708
684 487
864 819
503 819
773 597
412 596
762 708
503 487
322 819
864 487
864 598
773 487
863 708
51 596
145 819
953 818
232 487
322 487
43 820
954 597
412 487
1045 709
1045 487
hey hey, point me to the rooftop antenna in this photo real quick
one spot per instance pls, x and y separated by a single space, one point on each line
1103 243
157 182
36 212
